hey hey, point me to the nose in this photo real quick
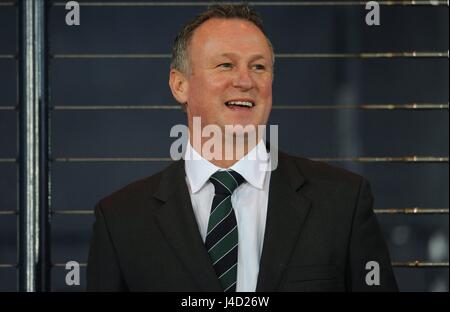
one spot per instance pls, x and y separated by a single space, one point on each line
243 79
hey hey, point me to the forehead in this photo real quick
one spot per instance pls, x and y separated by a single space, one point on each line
219 35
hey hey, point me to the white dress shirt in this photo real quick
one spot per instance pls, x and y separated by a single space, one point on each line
249 202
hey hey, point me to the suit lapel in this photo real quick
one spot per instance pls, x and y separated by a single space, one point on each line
178 224
286 212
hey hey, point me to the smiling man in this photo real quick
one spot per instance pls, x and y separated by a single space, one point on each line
216 223
223 74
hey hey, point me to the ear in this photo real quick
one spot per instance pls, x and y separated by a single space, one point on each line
179 86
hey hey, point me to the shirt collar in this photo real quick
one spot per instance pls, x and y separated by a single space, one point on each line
198 169
252 167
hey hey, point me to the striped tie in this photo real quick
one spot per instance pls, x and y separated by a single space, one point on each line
222 236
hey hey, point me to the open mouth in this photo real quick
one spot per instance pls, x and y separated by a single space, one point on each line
243 104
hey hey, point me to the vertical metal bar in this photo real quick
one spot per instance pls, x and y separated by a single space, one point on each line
30 92
44 265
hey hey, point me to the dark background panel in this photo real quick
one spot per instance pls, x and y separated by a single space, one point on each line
8 133
306 82
8 186
8 280
405 81
8 82
8 239
8 29
110 82
114 133
356 81
81 185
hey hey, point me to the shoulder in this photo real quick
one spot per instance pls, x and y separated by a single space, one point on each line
322 174
331 189
137 195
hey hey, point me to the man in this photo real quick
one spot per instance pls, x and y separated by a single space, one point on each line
216 223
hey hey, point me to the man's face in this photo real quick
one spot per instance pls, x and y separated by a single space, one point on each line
230 60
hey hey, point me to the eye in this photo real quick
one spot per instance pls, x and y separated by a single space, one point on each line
225 65
259 67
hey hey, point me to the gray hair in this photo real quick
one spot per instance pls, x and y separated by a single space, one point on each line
180 56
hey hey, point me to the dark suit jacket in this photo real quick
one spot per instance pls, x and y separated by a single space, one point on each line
320 233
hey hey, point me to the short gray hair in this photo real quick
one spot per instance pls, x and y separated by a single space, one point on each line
180 55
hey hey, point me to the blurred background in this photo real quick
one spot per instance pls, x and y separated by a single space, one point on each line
350 94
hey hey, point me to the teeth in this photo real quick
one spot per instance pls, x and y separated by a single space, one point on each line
240 103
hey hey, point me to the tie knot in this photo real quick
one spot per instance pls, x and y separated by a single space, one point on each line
225 182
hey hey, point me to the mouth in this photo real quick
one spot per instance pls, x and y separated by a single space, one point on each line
240 105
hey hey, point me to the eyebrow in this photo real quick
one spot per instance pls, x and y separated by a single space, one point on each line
252 59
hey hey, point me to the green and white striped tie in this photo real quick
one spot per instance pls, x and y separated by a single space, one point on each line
222 236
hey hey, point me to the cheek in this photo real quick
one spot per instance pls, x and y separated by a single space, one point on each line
206 96
218 83
208 87
265 89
